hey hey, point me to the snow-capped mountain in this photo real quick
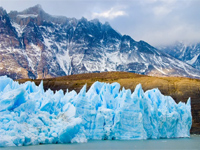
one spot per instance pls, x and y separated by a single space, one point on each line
189 53
34 44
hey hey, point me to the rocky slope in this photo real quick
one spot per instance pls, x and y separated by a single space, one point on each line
34 44
189 53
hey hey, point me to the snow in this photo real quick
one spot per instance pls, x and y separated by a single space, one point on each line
142 55
33 58
18 28
29 115
114 57
27 15
77 59
47 42
187 70
90 35
193 60
136 48
64 61
183 50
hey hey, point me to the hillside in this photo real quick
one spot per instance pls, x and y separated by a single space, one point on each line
177 87
189 53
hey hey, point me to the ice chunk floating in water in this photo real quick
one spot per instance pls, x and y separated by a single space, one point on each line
29 115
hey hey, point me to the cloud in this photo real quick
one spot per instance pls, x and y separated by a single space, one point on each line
159 8
109 14
161 11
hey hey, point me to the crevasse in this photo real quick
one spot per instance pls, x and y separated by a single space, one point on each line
29 115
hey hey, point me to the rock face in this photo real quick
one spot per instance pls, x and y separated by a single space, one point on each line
34 44
11 49
30 115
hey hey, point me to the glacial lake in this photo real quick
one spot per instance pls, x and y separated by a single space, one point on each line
192 143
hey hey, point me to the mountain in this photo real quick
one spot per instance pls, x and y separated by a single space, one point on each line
189 53
34 44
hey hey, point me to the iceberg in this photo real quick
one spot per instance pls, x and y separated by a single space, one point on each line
29 115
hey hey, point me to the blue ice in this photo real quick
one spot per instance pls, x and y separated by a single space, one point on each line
29 115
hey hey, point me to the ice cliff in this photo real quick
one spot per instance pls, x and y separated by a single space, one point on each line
29 115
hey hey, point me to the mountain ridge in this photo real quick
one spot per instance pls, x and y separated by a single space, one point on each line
188 53
44 46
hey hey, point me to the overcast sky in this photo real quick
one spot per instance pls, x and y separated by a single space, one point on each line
158 22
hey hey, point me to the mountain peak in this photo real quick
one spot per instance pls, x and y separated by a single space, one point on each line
1 8
95 21
38 6
37 9
107 23
83 19
2 11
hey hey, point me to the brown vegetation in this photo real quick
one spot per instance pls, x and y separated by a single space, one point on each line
177 87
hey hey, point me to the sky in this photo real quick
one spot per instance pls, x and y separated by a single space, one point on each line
158 22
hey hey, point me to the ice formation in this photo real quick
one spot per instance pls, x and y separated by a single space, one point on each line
29 115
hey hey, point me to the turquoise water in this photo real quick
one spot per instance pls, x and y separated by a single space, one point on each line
192 143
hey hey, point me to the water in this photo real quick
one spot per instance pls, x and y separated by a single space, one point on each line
192 143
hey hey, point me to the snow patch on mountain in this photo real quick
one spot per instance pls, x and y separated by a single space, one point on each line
18 28
193 60
28 15
64 61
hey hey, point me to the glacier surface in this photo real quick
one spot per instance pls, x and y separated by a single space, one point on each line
29 115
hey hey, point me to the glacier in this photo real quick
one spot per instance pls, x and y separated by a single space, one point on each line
29 115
